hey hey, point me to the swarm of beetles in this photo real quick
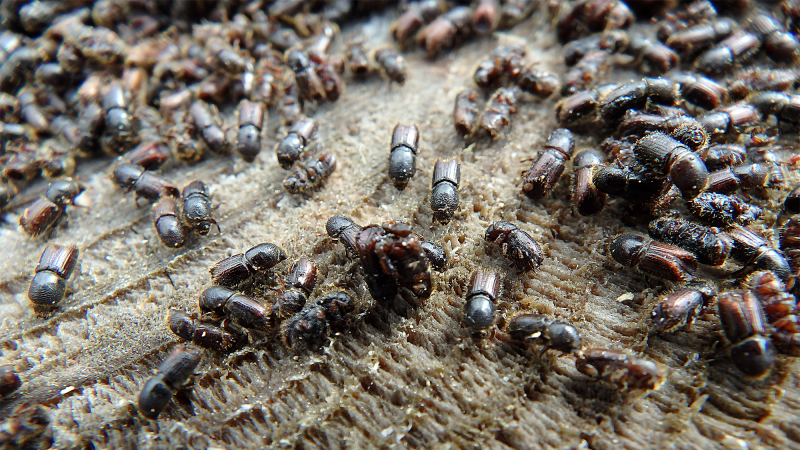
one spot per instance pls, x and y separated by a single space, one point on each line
143 82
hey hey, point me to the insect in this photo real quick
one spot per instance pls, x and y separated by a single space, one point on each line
479 309
700 91
504 64
790 245
485 19
735 49
9 380
444 32
293 147
412 20
731 119
679 309
518 246
539 83
694 39
251 118
783 106
581 17
403 154
651 57
780 46
743 323
666 155
345 230
381 285
578 108
166 219
709 245
780 309
444 189
722 210
588 200
748 176
300 282
173 373
653 257
146 184
197 208
31 112
45 212
465 112
392 64
206 334
50 281
620 369
635 95
499 109
539 180
312 325
205 120
309 174
308 81
557 335
241 266
751 249
225 58
721 156
356 55
402 256
120 126
757 79
149 155
436 255
241 309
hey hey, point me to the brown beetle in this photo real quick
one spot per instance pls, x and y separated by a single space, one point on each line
356 55
540 179
309 174
144 183
239 308
205 118
465 112
751 249
651 57
694 39
479 309
518 246
666 155
392 64
783 106
588 200
166 219
735 49
723 210
50 282
444 189
173 373
251 118
748 176
403 154
309 327
780 308
779 45
121 127
446 30
680 308
653 257
293 147
241 266
412 20
499 109
584 16
345 230
300 282
504 64
225 338
45 212
620 369
558 335
197 208
709 245
401 256
731 119
743 323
